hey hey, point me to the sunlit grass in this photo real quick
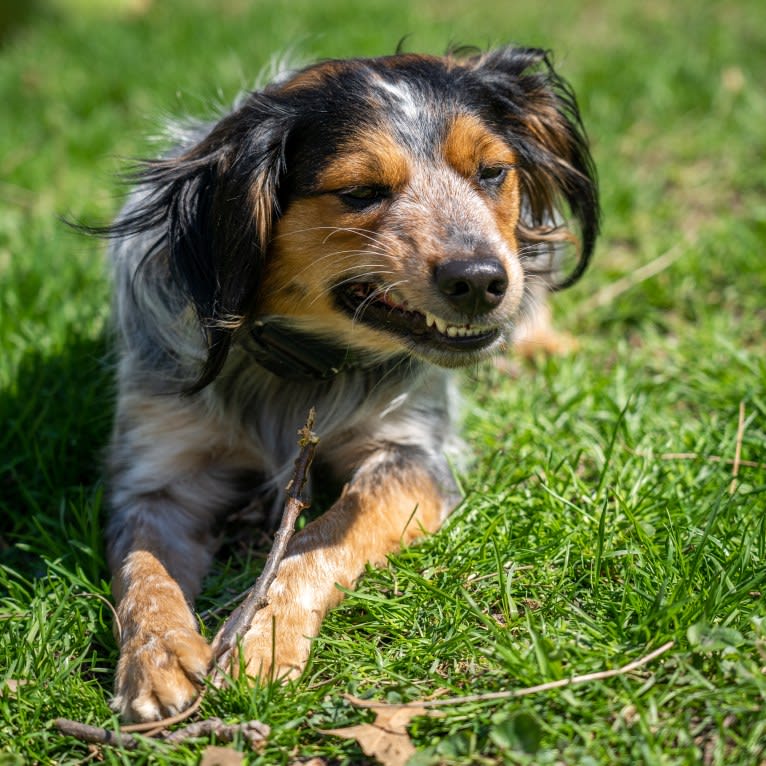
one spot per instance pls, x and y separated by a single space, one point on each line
600 518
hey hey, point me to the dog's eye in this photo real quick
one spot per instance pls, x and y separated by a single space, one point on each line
360 197
492 175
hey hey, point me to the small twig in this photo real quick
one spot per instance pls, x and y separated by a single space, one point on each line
513 693
607 294
738 448
150 728
254 732
710 459
108 605
697 456
238 622
95 735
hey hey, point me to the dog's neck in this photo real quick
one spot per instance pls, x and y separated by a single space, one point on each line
297 355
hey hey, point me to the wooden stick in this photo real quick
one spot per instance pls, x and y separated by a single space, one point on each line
238 622
95 735
254 732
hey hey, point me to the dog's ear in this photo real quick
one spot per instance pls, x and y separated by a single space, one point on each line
536 111
213 206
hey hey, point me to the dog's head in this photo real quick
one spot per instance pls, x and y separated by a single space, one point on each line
400 204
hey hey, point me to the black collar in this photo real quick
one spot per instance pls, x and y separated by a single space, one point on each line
297 355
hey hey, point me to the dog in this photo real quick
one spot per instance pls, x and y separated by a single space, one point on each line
342 238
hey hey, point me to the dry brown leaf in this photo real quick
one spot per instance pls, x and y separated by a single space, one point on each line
10 686
386 738
221 756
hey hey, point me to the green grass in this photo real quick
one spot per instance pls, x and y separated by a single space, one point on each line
579 546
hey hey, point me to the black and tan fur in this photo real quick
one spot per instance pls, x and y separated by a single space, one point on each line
406 213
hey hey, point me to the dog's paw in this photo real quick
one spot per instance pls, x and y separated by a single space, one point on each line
545 341
277 648
160 675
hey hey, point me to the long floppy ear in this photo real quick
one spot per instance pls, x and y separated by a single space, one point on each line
536 110
213 207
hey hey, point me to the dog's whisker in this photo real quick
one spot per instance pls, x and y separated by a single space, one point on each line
367 234
374 295
357 276
362 273
341 256
370 236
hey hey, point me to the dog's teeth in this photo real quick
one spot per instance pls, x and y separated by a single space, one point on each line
452 330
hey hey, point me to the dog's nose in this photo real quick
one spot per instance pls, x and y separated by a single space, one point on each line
472 286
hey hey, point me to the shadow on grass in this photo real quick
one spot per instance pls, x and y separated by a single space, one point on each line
14 16
56 420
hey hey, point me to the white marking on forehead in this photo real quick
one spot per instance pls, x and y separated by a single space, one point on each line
403 95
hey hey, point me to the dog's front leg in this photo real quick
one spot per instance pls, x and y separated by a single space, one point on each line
158 555
395 496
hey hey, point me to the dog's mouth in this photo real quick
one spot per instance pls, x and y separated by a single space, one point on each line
383 309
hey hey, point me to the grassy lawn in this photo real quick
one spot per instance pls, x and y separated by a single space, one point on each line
601 519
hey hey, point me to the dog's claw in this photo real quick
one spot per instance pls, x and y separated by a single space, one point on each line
158 676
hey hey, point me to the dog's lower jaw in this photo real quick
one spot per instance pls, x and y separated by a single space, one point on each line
424 334
451 360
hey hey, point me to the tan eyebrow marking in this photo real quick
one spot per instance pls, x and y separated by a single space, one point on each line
371 158
470 145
